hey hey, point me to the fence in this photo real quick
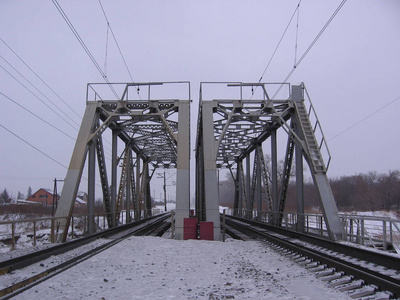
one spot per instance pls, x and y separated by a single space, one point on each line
377 232
44 230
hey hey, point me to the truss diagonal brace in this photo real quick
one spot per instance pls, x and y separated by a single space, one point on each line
71 184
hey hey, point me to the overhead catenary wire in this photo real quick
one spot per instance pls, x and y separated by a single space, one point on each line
29 144
297 35
48 106
365 118
40 78
280 40
106 55
253 91
115 39
119 48
37 149
310 46
55 105
82 43
35 115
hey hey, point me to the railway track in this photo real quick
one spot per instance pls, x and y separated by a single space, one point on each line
362 274
92 245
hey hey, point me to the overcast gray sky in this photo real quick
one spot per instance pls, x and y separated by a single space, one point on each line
352 72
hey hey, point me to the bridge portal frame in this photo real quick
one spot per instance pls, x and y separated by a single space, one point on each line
231 132
155 133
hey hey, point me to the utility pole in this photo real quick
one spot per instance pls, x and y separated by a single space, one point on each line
55 196
165 193
53 210
163 175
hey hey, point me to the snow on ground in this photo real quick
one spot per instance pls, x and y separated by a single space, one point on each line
159 268
394 215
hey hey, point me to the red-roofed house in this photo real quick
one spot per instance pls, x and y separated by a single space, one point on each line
45 196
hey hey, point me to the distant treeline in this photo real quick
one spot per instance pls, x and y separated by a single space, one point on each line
362 192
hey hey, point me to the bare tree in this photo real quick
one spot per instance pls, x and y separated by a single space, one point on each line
389 188
343 189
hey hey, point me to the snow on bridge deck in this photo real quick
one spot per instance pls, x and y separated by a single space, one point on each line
158 268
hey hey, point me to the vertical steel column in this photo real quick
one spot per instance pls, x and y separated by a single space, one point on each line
114 165
128 184
299 187
91 186
137 206
200 179
183 168
146 190
299 166
258 197
238 190
145 176
274 175
248 186
210 168
240 180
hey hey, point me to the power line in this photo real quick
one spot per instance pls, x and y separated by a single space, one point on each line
311 45
297 34
279 43
38 90
116 42
367 117
37 149
49 107
75 32
15 102
40 78
115 39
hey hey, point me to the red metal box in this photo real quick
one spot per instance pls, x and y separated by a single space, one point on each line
189 228
207 231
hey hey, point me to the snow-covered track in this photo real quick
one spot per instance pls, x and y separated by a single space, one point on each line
357 271
113 236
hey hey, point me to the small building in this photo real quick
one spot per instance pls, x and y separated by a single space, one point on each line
81 199
44 196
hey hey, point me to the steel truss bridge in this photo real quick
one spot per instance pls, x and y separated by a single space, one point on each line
235 122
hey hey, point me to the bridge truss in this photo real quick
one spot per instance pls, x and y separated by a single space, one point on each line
154 132
232 133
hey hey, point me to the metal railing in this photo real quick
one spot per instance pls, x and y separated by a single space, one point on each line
127 91
377 232
44 230
317 128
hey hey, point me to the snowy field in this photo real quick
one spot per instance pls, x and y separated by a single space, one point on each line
158 268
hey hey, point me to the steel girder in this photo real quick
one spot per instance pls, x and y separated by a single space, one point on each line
229 130
157 131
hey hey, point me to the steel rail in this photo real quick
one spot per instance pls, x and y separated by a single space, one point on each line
382 259
372 277
117 234
34 257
